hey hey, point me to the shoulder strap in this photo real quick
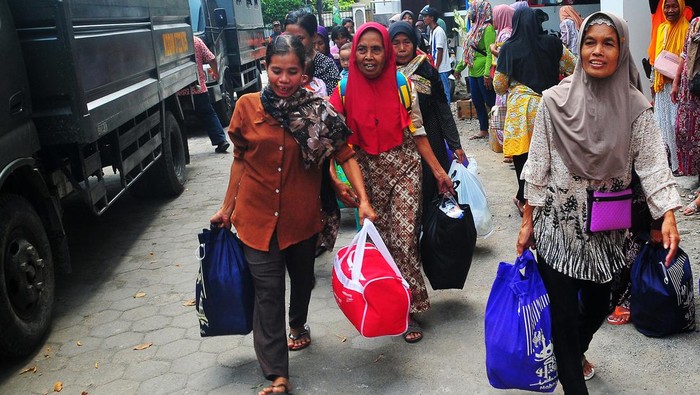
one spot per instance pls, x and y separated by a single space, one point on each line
403 83
342 87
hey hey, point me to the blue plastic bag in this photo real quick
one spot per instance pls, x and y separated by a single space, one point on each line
224 289
518 334
662 301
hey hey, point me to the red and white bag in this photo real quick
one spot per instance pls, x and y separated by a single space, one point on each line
369 288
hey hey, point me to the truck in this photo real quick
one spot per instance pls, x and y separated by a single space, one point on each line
90 111
234 31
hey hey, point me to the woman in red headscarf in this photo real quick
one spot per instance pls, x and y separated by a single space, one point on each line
389 141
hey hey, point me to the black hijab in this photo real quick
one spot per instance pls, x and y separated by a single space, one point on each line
529 57
405 28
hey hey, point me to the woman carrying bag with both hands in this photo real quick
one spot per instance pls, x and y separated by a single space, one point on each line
591 132
281 137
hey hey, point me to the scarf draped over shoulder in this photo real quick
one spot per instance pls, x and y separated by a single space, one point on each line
313 123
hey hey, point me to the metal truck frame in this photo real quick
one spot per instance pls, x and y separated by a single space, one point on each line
92 91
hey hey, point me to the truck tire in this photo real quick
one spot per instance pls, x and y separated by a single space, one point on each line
225 106
166 178
27 280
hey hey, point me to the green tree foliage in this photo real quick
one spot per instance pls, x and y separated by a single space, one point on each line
344 5
276 10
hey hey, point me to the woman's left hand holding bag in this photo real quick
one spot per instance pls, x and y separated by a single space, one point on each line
222 218
669 233
365 210
526 238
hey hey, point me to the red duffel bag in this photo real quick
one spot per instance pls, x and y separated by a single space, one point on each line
369 288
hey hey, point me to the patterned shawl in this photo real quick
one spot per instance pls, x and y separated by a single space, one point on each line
313 123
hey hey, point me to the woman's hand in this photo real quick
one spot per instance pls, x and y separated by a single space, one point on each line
669 234
444 183
674 92
346 194
488 82
526 236
222 218
365 210
460 155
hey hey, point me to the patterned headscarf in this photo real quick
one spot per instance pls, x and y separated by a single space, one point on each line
481 15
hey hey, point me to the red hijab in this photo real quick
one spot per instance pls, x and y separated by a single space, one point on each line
372 106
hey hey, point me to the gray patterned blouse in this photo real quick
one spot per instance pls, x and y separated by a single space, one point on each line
559 199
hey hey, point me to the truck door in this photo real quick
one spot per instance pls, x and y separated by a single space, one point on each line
16 134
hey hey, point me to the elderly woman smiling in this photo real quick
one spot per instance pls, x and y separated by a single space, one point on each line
572 153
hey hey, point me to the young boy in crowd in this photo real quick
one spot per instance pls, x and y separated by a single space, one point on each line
345 59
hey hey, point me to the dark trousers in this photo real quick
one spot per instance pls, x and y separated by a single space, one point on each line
483 99
267 269
206 114
578 308
519 163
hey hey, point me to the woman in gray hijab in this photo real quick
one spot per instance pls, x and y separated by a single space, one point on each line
591 132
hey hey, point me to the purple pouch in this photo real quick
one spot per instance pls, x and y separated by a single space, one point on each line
609 211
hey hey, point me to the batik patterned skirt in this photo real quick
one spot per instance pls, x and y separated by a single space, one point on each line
393 183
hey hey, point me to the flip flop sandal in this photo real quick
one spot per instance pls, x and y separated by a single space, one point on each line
620 316
591 373
304 333
478 137
286 389
413 327
691 209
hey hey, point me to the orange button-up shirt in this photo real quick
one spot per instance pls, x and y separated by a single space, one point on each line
276 192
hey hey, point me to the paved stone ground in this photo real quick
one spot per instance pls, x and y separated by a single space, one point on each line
149 247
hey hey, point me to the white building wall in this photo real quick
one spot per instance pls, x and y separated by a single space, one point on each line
638 18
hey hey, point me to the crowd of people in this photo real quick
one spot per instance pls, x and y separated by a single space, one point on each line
385 118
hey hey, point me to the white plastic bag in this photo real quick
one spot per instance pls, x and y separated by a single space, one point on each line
470 191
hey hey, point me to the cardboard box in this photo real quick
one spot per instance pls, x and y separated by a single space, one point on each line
465 109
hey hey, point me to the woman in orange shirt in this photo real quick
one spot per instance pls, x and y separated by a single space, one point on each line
281 137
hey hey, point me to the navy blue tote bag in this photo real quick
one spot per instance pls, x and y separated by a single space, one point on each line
224 289
662 301
518 329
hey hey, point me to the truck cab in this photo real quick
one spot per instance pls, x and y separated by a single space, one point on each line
233 30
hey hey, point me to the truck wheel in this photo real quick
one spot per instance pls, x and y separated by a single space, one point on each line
26 277
224 108
167 176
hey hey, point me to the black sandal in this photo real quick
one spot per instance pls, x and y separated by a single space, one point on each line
306 332
413 328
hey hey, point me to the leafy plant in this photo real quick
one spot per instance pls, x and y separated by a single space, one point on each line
276 10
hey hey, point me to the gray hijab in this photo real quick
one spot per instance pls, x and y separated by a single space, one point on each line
592 117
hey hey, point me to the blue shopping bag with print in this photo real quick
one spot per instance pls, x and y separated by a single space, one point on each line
518 333
224 289
662 301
